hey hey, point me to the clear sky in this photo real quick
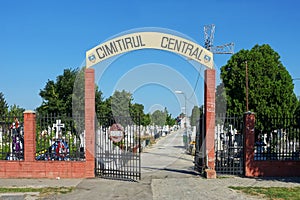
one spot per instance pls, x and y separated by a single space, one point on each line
39 39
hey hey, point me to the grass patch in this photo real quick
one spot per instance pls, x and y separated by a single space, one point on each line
43 191
274 193
223 177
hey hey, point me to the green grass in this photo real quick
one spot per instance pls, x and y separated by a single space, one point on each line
43 191
274 193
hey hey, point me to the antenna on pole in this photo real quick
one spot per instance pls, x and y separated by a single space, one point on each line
209 31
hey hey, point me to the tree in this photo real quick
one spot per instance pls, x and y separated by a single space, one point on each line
120 106
3 105
297 112
120 103
169 120
270 84
146 120
137 111
220 99
196 114
158 117
15 110
59 96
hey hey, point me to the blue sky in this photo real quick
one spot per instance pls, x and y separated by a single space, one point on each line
39 39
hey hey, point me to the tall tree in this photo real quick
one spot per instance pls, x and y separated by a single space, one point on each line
196 114
146 120
158 117
270 84
3 105
137 111
59 96
169 120
220 99
16 110
297 112
120 103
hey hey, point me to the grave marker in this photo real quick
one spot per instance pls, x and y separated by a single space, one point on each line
58 127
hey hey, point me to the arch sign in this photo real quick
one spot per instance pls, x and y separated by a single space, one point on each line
149 40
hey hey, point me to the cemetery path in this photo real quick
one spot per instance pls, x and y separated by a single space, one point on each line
167 156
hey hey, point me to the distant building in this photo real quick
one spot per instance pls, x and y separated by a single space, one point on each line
185 120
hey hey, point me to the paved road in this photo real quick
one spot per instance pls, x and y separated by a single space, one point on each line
167 173
164 154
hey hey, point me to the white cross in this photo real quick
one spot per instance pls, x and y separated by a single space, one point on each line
58 127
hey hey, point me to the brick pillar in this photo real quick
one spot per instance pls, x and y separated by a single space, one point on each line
29 136
90 121
209 105
249 142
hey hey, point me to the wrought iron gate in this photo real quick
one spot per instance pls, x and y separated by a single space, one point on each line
229 145
199 158
118 148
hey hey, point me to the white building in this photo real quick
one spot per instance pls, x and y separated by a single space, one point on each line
185 121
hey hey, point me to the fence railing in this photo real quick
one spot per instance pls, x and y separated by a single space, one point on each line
277 138
11 138
58 138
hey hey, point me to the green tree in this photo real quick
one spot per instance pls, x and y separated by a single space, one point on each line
3 105
196 114
120 106
120 103
158 117
297 112
59 96
146 120
270 84
220 99
137 111
169 120
15 110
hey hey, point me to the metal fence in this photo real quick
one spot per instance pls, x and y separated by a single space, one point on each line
11 138
277 138
58 138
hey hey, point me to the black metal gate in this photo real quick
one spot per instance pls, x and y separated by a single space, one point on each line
118 148
229 145
199 158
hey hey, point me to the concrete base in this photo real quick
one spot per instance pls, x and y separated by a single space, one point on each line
210 174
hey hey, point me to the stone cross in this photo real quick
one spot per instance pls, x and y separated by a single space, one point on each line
58 127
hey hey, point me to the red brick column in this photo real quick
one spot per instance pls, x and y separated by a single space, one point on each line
209 105
29 136
249 134
90 121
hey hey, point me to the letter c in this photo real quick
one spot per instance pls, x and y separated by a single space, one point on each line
162 42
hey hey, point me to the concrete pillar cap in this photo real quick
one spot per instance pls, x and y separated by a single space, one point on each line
249 112
29 111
